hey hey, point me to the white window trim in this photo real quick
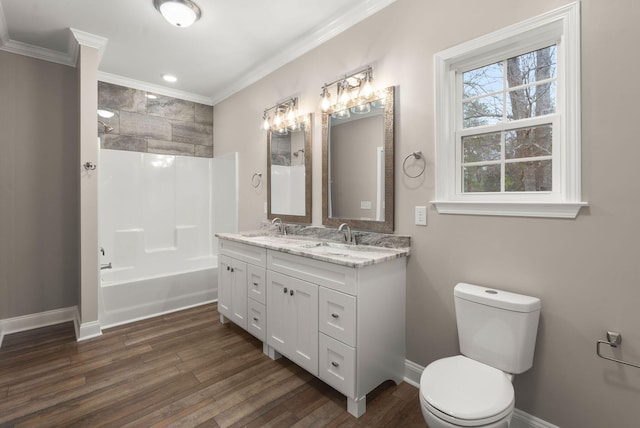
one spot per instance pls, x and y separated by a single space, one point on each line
561 27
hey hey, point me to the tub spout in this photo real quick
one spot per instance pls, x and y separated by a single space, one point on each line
106 266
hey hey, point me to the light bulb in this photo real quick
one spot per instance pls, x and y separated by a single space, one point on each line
367 88
178 14
265 124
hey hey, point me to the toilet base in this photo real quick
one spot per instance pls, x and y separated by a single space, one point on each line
435 422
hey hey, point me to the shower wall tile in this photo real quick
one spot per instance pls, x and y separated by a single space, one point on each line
142 125
121 98
170 148
204 114
123 142
188 132
203 151
171 108
163 125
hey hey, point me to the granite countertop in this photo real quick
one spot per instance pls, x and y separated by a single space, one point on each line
319 249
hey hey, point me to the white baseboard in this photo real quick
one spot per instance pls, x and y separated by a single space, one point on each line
413 371
41 319
85 330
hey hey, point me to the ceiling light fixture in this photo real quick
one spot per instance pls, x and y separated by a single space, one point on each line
354 94
180 13
169 78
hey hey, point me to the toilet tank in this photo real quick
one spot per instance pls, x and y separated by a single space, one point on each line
497 327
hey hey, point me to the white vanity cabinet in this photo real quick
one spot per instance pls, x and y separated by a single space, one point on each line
241 286
342 322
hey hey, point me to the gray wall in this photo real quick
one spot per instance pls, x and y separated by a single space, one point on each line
39 170
586 271
161 124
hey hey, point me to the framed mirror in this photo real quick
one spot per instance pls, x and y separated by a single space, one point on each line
357 164
289 174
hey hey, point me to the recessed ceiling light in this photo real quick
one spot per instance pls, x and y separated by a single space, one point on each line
180 13
169 78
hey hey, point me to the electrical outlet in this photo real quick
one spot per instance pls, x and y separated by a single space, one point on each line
421 216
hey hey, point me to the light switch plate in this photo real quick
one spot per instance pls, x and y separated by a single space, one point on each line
421 216
365 205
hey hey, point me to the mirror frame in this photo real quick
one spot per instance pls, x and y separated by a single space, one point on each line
385 226
307 177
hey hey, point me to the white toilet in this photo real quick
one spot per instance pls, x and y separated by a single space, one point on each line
497 333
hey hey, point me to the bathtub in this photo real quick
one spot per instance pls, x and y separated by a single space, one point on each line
127 296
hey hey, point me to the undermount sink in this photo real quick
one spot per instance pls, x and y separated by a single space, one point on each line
337 249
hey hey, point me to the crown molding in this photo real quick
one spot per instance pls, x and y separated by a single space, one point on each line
314 39
86 39
150 87
38 52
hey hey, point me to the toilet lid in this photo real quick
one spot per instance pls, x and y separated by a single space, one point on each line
466 392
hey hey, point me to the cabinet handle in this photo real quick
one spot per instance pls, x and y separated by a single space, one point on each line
335 315
285 290
228 268
255 318
334 364
290 292
255 284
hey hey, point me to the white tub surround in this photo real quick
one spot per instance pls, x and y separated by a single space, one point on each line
158 214
337 310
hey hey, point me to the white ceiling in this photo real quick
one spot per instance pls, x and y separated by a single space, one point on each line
235 43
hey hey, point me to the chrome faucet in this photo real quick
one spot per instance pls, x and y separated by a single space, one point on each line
281 227
347 233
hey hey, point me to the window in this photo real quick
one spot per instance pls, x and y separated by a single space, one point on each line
508 121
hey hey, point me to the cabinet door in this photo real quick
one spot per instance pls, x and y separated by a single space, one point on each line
232 290
292 319
224 285
239 293
304 323
278 330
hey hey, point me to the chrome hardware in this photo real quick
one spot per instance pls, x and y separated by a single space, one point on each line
228 268
290 292
102 250
347 233
255 318
335 315
89 166
231 270
107 266
334 364
281 227
285 290
614 339
255 284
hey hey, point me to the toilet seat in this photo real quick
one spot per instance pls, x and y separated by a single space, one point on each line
466 392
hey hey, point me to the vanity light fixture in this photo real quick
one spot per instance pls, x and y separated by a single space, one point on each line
283 117
180 13
352 88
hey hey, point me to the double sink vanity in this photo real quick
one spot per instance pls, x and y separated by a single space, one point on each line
335 309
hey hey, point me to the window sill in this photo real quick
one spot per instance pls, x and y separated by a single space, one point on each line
511 209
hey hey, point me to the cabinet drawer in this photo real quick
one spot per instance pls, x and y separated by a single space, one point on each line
337 365
337 315
257 319
256 280
246 253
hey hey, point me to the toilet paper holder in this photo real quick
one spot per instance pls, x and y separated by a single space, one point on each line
614 339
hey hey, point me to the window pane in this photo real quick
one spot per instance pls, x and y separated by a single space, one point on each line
483 80
485 178
531 67
482 111
531 101
478 148
528 176
528 142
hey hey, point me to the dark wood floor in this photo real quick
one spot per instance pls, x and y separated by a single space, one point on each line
181 369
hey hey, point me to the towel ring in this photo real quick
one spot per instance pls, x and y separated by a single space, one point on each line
256 180
417 155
